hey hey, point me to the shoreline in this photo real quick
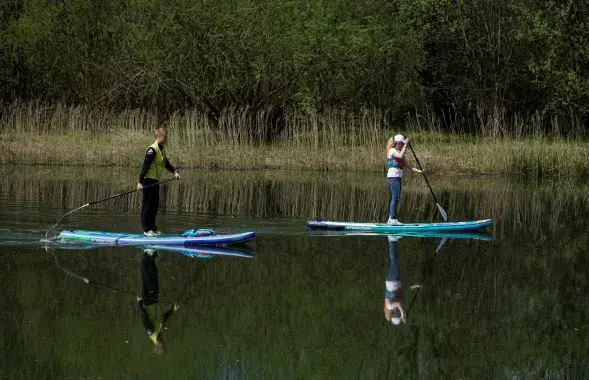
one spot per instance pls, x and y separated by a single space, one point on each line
532 157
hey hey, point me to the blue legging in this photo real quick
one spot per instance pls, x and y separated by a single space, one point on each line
394 264
395 185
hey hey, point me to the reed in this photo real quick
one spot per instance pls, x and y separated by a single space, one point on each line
333 140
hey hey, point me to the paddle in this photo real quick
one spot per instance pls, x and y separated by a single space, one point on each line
440 245
102 200
87 280
442 211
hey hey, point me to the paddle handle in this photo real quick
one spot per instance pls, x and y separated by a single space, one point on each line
128 192
424 176
440 208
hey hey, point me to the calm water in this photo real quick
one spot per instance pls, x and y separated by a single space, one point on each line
299 306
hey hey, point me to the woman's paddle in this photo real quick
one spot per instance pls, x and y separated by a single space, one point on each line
102 200
442 242
442 211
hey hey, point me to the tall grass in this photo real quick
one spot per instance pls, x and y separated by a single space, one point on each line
334 139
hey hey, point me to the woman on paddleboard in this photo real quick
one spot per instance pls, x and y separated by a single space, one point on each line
396 149
154 163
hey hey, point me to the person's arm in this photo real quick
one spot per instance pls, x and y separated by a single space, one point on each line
413 168
402 313
170 168
149 157
401 154
169 313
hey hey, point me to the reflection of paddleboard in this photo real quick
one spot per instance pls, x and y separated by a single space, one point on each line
432 234
409 227
202 251
113 238
196 251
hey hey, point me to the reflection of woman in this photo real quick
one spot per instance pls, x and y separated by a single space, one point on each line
148 300
394 297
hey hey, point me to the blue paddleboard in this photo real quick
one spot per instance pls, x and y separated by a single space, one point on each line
472 225
113 238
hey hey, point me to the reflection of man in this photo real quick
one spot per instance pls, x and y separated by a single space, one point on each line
148 300
393 299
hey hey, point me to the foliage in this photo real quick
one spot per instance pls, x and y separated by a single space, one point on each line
465 60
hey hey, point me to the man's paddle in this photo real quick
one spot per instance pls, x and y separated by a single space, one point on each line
103 200
442 211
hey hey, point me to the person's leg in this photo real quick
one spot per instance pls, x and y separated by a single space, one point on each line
392 202
151 197
145 194
154 206
399 185
149 278
394 274
395 186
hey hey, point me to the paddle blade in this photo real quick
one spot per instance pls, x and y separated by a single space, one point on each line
443 212
442 242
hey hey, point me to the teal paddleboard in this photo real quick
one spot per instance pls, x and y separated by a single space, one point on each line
472 225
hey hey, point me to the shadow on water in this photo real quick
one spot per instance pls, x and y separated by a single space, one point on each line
509 304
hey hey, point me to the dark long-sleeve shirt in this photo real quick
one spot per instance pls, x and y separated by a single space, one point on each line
149 157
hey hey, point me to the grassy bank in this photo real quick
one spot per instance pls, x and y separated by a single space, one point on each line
334 140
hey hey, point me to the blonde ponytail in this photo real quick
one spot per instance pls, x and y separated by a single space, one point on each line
390 144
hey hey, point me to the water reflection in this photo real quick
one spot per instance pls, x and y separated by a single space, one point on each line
206 251
192 251
153 311
394 299
477 235
486 310
269 194
147 302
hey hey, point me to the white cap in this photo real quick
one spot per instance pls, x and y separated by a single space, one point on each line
399 138
396 320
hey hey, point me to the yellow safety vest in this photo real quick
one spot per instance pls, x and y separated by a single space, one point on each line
151 311
156 169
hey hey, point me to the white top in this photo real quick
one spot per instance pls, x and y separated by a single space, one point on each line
392 285
394 172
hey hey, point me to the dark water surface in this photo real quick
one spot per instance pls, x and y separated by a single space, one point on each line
304 306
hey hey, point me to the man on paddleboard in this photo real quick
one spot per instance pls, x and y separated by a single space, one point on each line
154 163
396 149
147 302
